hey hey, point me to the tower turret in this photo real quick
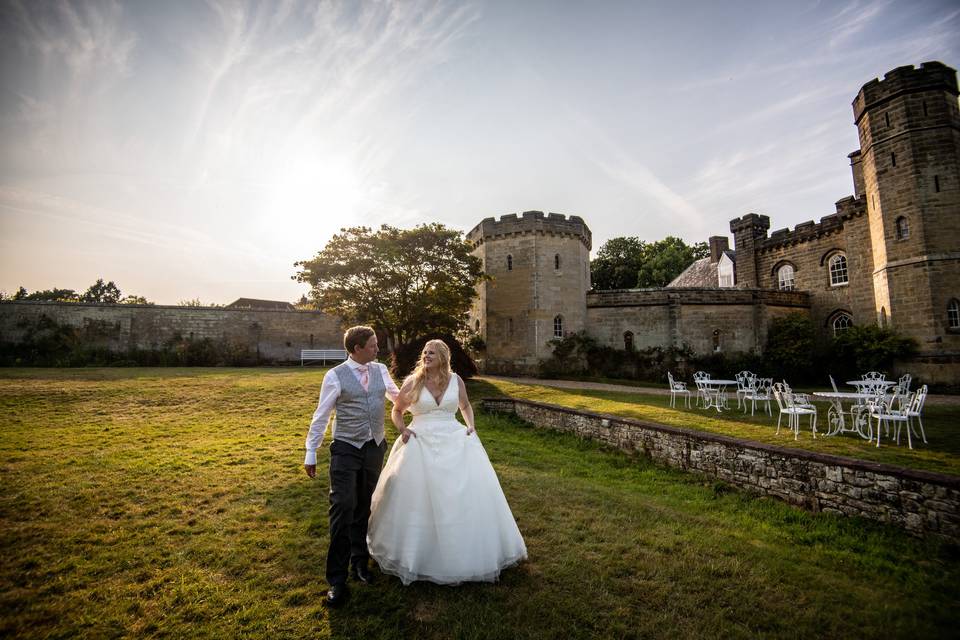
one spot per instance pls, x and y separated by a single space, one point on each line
909 128
540 274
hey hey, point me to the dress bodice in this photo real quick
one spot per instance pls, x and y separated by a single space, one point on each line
427 405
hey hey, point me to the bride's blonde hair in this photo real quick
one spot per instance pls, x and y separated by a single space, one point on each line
419 375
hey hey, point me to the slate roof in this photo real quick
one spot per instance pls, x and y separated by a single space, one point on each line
702 273
267 305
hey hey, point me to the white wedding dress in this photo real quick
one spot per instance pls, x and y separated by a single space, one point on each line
438 512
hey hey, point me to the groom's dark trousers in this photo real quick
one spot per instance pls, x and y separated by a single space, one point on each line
353 477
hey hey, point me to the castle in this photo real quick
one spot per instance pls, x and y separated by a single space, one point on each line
890 256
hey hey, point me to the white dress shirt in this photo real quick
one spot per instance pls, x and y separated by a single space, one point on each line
329 392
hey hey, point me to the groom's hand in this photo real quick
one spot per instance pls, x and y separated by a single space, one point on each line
311 470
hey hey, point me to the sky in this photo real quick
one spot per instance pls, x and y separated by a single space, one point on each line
191 149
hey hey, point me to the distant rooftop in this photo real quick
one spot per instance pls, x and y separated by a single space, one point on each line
267 305
702 273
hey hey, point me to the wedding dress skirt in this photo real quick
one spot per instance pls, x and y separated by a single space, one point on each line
438 512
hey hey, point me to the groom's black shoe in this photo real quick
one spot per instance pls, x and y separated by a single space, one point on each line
337 595
362 573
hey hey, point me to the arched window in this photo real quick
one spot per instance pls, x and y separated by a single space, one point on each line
716 340
953 314
509 262
556 261
841 322
838 270
510 326
476 326
558 327
628 340
883 317
903 228
785 277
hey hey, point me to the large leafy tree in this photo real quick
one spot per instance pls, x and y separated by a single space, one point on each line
406 282
629 262
100 292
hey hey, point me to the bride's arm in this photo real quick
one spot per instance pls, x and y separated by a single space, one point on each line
466 409
399 406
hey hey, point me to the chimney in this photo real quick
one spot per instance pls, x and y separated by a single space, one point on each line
718 244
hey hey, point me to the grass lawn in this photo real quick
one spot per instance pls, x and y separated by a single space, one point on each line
172 503
941 423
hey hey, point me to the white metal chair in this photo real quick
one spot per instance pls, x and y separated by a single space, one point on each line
874 376
761 391
885 410
799 399
914 409
744 382
703 391
677 388
786 405
833 383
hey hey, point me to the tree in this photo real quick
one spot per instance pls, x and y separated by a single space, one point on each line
99 292
666 259
617 263
408 283
53 295
132 299
627 262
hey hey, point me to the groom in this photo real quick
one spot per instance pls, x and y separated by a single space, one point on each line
356 390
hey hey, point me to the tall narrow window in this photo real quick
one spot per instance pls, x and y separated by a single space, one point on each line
476 326
886 116
628 340
509 263
893 159
785 278
924 107
510 326
311 341
903 228
936 184
883 317
558 327
838 269
953 314
841 322
556 261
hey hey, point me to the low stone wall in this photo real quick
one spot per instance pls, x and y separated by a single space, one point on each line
919 501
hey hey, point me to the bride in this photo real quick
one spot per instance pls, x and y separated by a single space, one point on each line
438 512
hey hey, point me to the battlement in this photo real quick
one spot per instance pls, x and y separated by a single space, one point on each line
755 223
530 222
847 208
931 76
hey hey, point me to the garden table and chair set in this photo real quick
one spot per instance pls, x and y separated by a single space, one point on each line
889 403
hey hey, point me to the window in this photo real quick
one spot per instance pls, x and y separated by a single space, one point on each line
893 159
936 184
838 270
628 340
556 261
886 117
903 228
785 278
509 262
925 107
883 317
841 322
953 314
558 327
476 326
510 326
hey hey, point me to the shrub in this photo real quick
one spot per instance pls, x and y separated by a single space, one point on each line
404 358
869 348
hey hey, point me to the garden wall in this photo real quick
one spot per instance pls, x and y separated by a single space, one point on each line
921 502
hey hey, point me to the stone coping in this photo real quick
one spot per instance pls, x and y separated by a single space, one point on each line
933 477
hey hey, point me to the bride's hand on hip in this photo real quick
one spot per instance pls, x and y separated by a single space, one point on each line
406 433
471 430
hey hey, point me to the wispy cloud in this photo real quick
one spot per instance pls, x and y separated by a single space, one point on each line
852 19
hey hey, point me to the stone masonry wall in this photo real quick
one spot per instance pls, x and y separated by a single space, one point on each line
921 502
735 319
279 335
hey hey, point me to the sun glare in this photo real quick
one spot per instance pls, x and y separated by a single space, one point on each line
316 196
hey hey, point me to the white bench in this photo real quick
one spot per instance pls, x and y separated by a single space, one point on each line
338 355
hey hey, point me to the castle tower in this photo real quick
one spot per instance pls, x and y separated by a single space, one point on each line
748 233
540 273
909 129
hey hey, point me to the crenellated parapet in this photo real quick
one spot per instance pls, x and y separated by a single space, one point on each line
930 76
530 222
847 209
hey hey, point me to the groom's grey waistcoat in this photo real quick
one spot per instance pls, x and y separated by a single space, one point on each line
359 415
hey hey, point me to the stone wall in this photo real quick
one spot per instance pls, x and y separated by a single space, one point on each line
735 320
921 502
277 335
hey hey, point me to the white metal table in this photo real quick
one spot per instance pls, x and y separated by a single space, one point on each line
836 417
716 400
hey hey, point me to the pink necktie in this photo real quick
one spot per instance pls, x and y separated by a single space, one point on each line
364 378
